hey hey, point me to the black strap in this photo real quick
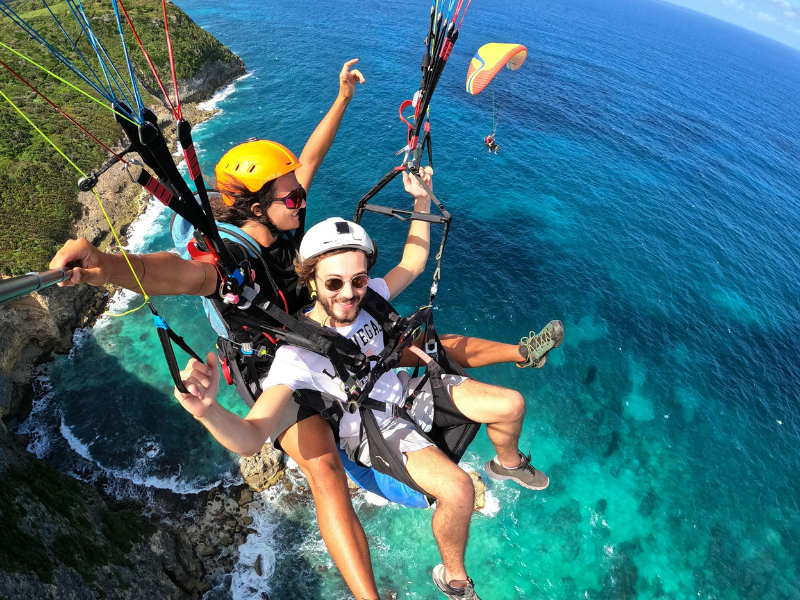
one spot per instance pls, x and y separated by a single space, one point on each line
166 336
382 457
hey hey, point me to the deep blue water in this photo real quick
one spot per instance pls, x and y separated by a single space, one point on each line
644 194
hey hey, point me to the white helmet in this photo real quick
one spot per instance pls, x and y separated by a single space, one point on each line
333 234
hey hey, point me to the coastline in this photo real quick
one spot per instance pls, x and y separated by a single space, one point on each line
193 538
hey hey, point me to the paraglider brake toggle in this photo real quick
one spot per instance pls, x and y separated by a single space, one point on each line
86 184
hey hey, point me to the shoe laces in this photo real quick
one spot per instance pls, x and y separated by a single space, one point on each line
469 590
526 465
538 339
531 342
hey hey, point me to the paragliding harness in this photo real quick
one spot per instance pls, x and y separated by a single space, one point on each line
247 347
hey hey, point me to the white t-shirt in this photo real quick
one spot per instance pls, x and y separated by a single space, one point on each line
301 369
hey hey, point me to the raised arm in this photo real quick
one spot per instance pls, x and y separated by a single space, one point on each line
243 436
320 141
418 243
161 274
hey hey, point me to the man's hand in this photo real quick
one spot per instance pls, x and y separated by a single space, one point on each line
202 382
86 261
348 79
412 185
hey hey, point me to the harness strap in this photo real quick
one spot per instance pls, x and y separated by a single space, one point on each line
165 336
383 459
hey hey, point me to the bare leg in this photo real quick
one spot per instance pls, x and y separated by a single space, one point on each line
341 530
440 477
503 411
470 352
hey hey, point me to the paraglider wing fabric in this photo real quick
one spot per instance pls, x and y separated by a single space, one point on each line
488 61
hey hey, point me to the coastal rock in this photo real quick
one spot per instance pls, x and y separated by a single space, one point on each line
68 541
264 469
205 550
31 328
246 497
212 76
480 490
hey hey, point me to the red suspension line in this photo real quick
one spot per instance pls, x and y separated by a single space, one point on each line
74 122
458 10
172 62
464 15
149 62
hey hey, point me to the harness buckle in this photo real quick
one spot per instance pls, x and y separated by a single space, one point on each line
431 349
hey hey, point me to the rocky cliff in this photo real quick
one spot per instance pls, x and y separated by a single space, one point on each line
60 537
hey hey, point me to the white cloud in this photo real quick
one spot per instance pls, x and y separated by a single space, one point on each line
734 4
765 17
790 14
781 3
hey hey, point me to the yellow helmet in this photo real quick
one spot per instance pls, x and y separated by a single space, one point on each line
254 163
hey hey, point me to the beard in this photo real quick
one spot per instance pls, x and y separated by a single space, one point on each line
343 316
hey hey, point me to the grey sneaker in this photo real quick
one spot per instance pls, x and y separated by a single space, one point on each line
535 347
465 593
524 474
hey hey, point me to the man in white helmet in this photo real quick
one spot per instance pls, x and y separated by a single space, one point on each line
334 261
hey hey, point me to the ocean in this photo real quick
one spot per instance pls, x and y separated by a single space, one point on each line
645 194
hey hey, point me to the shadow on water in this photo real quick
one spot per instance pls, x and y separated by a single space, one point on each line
126 419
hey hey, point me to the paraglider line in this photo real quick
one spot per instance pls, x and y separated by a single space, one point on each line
127 116
464 15
69 39
137 96
100 52
46 99
100 202
150 62
64 60
179 113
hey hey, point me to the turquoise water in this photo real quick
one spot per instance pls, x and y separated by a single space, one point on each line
644 194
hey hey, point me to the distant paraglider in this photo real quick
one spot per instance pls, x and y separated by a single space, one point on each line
484 66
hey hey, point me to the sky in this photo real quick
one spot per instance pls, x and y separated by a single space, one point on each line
776 19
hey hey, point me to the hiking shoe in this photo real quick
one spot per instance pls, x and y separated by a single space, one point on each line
535 347
524 474
465 593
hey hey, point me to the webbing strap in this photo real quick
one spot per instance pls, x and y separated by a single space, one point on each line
381 455
165 336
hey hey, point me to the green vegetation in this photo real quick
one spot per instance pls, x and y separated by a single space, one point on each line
38 191
78 543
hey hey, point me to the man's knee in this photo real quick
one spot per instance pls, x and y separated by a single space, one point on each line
458 490
514 405
325 474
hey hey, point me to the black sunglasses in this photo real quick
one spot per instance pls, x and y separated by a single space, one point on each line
359 282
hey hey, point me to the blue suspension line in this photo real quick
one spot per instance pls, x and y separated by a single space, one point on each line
9 12
139 103
100 51
69 39
27 28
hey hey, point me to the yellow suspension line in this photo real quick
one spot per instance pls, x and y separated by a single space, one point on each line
74 87
100 202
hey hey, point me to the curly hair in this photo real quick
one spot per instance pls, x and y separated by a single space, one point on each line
243 199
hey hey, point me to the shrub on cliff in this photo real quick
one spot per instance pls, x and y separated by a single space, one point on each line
38 191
